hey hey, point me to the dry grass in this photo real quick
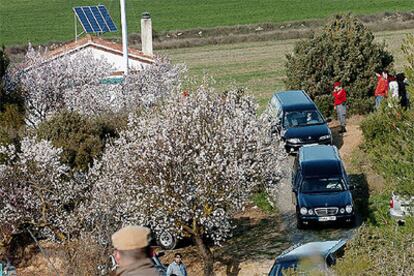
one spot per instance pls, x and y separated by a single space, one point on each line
259 66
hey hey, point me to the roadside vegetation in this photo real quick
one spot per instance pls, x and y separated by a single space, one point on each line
46 21
381 246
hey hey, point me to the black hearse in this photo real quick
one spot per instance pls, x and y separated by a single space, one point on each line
321 189
297 119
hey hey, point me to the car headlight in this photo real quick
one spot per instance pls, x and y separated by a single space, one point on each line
342 210
310 212
293 140
325 137
348 209
303 211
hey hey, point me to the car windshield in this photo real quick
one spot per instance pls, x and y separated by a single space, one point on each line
323 185
302 118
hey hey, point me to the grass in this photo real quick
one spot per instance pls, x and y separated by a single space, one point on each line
261 201
42 21
258 66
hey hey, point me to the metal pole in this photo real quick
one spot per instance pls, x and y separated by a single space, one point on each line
124 36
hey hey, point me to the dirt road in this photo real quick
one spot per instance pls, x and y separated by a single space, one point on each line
346 143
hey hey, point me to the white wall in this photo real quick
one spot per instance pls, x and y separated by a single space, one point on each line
114 59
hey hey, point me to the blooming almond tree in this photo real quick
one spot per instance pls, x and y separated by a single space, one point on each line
36 190
75 82
184 167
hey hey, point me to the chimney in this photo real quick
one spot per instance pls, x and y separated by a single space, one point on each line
146 34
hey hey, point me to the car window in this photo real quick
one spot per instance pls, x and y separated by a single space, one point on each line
302 118
276 107
322 185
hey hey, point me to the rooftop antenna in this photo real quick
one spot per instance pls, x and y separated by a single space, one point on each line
124 36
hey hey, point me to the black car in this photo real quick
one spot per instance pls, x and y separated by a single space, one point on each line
321 189
297 119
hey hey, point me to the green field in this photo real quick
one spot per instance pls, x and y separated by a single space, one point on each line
259 66
42 21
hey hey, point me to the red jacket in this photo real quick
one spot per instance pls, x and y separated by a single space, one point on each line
339 97
382 87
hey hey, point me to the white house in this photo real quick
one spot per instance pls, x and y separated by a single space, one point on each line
101 48
111 51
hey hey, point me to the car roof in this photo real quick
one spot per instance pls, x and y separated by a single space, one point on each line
319 161
293 100
322 248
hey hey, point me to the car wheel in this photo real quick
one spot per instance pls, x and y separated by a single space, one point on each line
167 241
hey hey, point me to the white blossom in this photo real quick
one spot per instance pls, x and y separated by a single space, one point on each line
75 82
186 167
36 189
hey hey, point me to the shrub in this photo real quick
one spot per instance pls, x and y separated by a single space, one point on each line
379 248
11 120
344 51
388 142
82 138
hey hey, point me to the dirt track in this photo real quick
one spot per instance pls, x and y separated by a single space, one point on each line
346 143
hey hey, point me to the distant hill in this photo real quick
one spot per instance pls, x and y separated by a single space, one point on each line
42 21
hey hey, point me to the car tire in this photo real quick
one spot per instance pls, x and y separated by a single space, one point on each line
166 240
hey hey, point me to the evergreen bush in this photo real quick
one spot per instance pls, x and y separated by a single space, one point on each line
81 137
343 51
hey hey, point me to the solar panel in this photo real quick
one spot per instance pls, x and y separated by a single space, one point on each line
108 18
95 19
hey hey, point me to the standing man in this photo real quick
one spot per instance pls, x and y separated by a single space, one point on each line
340 105
131 252
177 268
381 91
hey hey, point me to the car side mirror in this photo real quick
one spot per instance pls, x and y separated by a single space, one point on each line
351 187
328 120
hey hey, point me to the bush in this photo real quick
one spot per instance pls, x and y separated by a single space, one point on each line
11 120
344 51
388 142
379 248
81 138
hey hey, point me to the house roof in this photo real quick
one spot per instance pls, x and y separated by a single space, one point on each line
98 43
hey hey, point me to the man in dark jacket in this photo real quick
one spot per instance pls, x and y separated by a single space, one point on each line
402 90
131 247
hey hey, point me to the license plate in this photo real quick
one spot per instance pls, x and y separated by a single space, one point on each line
327 218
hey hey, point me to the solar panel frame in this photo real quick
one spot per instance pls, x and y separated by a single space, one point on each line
95 19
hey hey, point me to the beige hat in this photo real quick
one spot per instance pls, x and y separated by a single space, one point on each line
131 237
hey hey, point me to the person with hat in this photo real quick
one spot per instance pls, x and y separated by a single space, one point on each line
339 94
131 252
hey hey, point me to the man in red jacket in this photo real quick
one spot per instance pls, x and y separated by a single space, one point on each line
340 104
381 90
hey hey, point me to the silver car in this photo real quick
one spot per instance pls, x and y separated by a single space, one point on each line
401 207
